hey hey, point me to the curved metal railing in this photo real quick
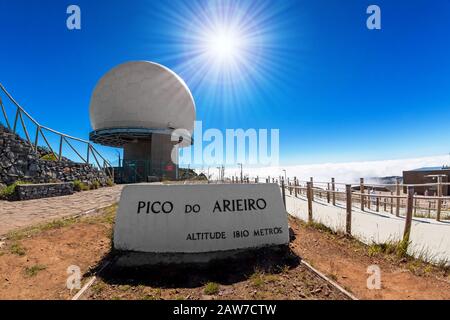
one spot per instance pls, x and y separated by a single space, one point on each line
20 114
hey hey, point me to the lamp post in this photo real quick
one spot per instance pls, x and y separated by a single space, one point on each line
220 174
242 175
118 155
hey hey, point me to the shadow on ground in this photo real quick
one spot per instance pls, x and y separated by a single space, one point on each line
225 272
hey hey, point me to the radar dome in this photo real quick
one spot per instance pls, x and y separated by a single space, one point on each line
142 95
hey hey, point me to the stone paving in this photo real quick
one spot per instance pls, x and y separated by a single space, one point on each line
16 215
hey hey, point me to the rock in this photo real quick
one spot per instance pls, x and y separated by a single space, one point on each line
18 161
34 168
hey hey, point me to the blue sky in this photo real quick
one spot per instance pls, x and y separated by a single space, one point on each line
337 91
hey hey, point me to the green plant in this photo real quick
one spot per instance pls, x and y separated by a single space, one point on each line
271 278
98 287
79 186
109 182
398 248
320 227
211 288
257 279
49 157
402 249
95 185
32 271
9 192
124 288
17 249
37 229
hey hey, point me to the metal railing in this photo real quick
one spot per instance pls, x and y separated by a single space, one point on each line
20 114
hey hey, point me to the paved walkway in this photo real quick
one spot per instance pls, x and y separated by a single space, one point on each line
14 215
429 238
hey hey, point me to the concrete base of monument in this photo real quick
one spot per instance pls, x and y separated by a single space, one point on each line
125 259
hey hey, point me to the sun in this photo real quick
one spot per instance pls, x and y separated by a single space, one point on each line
224 45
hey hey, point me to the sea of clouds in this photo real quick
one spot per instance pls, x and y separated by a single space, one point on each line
345 171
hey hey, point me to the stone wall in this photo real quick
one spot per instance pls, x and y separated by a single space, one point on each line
19 162
46 190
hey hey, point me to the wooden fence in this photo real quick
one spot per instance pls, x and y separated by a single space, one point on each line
393 202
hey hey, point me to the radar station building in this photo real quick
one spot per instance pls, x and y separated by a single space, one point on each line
137 106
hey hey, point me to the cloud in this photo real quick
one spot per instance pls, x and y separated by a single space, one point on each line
347 171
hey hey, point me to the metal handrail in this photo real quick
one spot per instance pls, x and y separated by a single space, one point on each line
20 112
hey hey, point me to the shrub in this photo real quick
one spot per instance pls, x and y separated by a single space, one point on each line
9 192
49 157
95 185
79 186
109 182
211 288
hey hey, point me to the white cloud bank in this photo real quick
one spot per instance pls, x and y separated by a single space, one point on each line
347 171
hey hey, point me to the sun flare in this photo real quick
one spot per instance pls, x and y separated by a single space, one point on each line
224 45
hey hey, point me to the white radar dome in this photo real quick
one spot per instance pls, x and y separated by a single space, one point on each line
142 95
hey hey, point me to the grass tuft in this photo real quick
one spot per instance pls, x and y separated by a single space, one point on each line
107 216
80 186
95 185
211 288
257 280
33 230
34 270
98 287
9 192
398 248
109 182
320 227
49 157
17 249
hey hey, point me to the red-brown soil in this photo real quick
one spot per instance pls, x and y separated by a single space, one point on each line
346 261
33 265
